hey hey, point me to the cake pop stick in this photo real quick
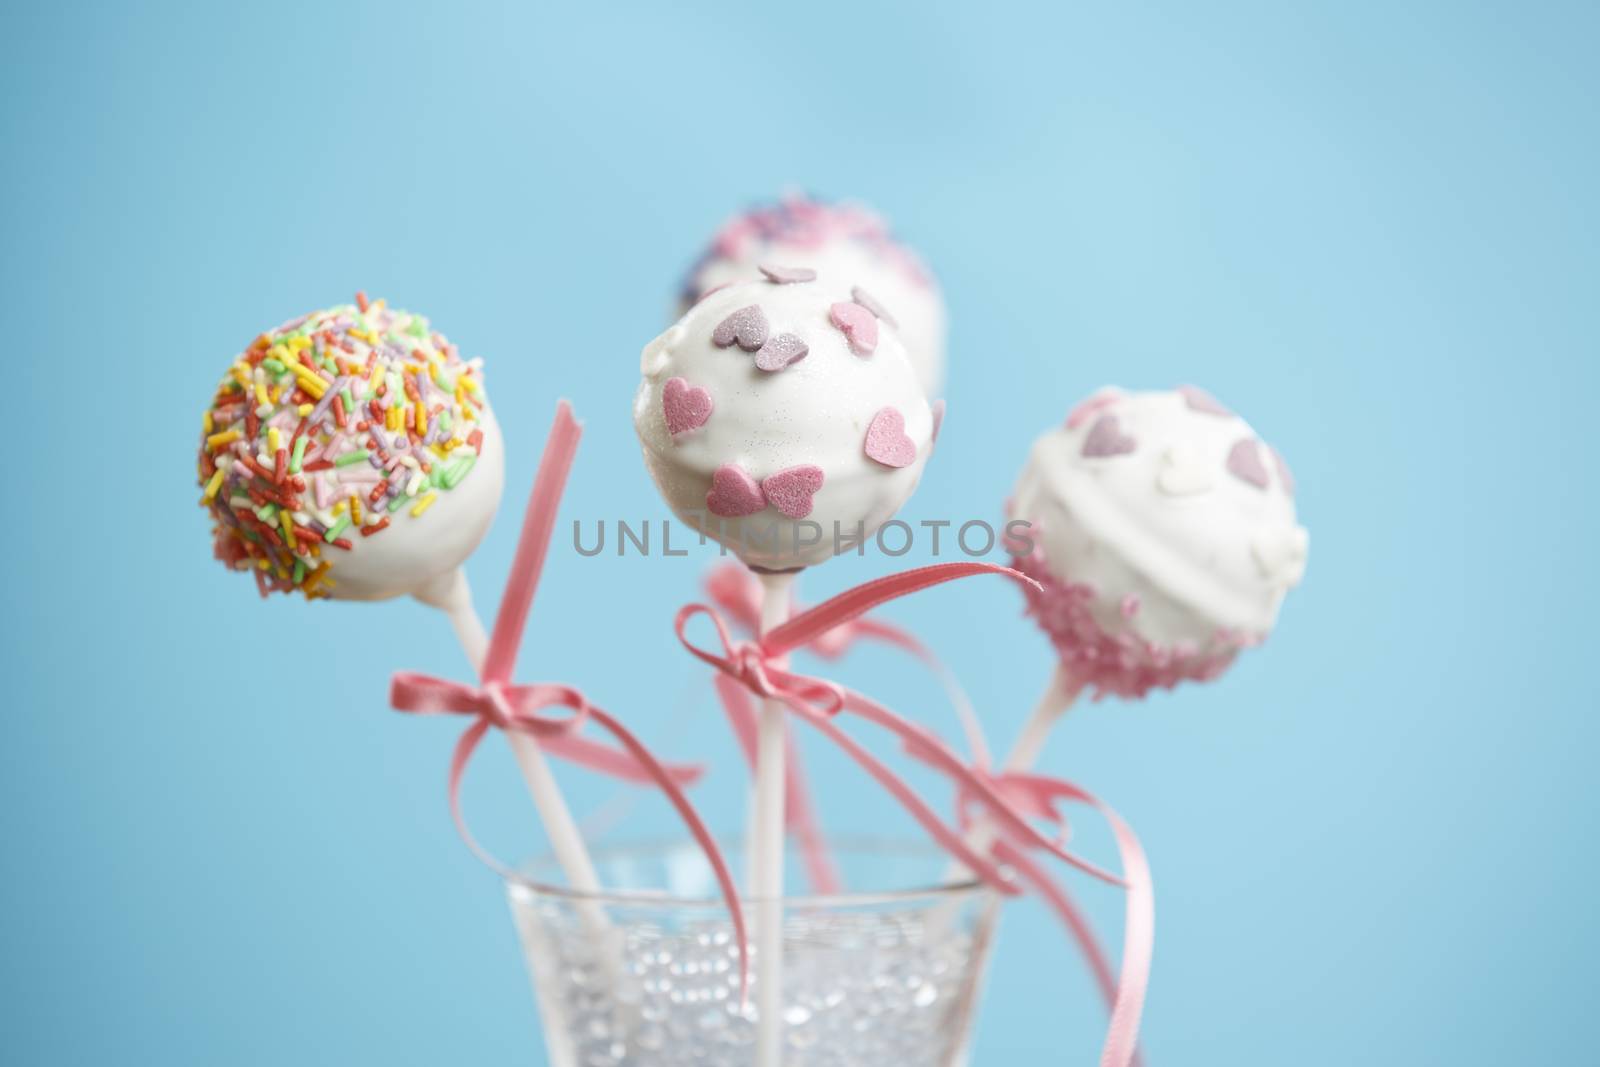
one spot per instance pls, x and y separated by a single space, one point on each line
1162 534
498 702
778 419
352 454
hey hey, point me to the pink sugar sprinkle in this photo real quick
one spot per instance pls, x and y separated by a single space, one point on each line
1125 664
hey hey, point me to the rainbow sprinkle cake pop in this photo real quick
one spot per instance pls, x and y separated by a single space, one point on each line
351 453
1164 533
845 240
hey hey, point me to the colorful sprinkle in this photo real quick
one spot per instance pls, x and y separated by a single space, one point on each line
282 417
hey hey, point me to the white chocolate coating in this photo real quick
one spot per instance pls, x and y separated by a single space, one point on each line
1180 551
813 412
417 554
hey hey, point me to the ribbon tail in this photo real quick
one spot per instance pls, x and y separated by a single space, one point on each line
1138 943
697 829
809 624
602 759
949 839
923 745
539 520
1058 900
465 747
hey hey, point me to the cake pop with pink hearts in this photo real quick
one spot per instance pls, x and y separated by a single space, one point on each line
1164 533
844 239
782 418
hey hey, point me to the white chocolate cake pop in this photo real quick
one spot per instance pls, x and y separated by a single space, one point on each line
782 419
351 453
1164 533
840 240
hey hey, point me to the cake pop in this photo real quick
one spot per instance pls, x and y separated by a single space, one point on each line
351 453
781 418
843 239
1163 531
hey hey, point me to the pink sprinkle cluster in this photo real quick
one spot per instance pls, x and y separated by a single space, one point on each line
1124 664
801 223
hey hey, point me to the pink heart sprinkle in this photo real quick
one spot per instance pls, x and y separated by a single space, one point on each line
781 351
870 302
787 275
686 408
1107 439
1080 414
887 441
1285 478
1244 462
747 326
791 489
938 417
860 326
734 493
1200 400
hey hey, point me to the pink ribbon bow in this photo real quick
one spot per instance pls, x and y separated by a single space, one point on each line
737 593
1009 801
497 703
754 664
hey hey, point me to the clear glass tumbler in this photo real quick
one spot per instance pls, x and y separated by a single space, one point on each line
646 973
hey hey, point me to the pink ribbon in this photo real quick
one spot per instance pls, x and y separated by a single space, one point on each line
498 703
816 702
1009 801
1038 795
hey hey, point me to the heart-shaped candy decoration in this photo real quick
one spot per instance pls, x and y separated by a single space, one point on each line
791 489
747 326
860 326
781 351
1200 400
870 302
787 275
887 441
734 494
1107 439
686 407
1244 462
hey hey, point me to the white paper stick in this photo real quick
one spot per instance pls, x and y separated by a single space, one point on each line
1053 703
768 843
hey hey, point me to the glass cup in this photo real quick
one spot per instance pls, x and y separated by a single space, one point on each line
646 973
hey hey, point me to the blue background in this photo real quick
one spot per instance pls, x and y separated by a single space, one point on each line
1371 228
